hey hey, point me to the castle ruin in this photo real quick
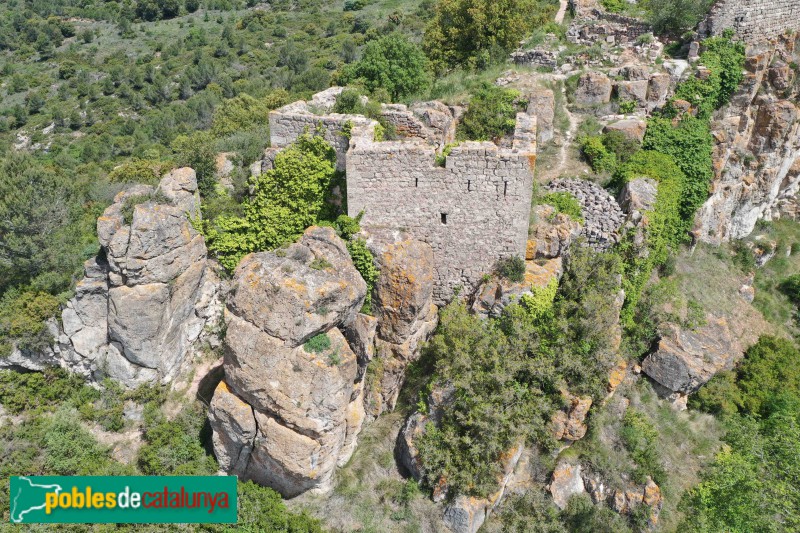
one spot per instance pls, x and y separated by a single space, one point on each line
473 210
753 21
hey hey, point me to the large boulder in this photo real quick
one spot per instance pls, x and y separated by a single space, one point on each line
288 362
687 359
594 89
552 235
146 299
297 292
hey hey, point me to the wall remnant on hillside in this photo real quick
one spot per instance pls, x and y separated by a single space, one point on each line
753 21
473 210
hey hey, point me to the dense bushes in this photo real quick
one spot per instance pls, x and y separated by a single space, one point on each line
512 268
507 373
665 228
22 316
724 59
287 200
607 151
751 484
492 114
675 16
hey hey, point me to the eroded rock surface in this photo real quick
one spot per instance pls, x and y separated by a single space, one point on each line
146 299
687 359
291 404
404 309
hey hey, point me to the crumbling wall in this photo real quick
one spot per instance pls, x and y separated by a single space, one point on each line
472 211
290 122
753 20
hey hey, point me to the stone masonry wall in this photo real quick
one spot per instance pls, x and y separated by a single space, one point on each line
753 20
472 211
290 122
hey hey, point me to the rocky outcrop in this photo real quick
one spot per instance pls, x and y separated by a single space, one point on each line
552 234
291 404
570 479
686 359
594 89
601 213
569 423
496 293
147 298
566 483
633 128
757 147
404 309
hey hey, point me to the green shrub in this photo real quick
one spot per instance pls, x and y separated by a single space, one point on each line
174 447
623 146
565 203
22 320
724 59
512 268
600 158
614 6
70 449
641 440
243 112
36 391
541 299
491 114
392 63
690 145
365 264
791 288
318 343
145 171
262 509
476 33
287 200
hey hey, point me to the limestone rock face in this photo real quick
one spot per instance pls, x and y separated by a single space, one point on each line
757 148
404 310
633 91
685 360
594 88
146 299
290 410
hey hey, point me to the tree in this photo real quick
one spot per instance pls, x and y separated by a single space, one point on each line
33 209
148 10
675 16
393 63
473 33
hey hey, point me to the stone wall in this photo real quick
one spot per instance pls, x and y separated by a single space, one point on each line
753 20
472 211
290 122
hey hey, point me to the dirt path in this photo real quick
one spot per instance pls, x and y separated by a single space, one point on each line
561 12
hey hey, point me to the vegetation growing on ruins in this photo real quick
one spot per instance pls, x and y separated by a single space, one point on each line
564 203
491 114
288 199
477 33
